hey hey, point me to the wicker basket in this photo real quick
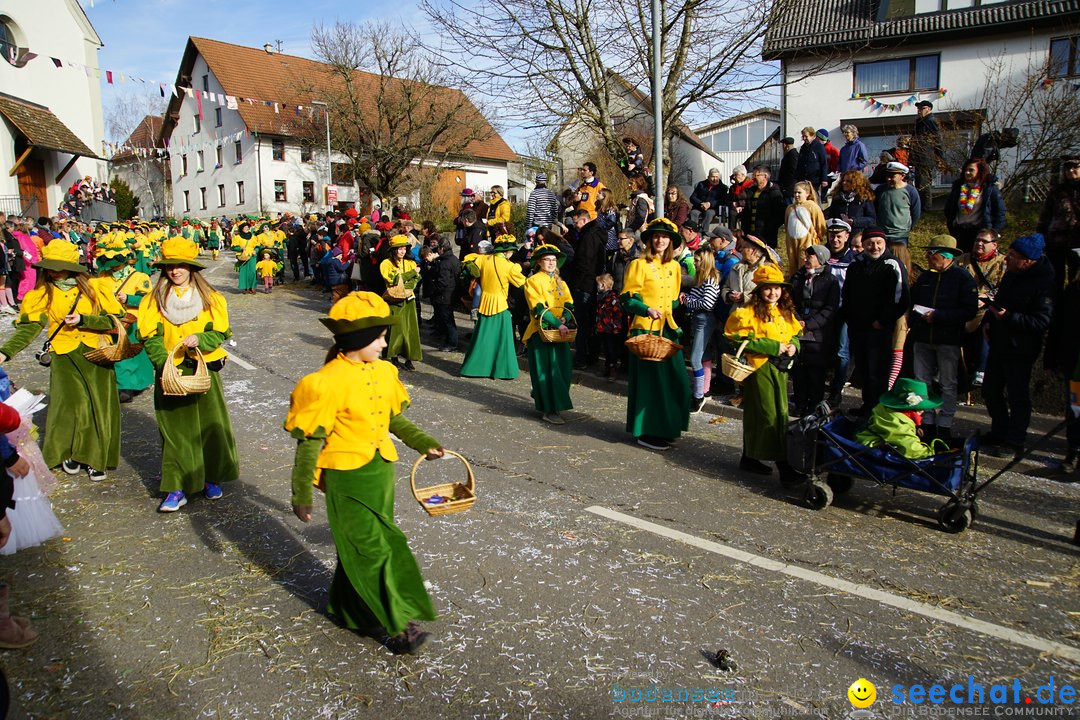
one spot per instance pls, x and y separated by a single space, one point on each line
398 291
108 353
455 496
653 347
553 336
733 365
173 383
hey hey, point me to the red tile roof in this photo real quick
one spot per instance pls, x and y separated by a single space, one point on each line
147 134
246 72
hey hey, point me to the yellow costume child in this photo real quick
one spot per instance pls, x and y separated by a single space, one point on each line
342 417
266 269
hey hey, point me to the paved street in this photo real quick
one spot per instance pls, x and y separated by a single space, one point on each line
589 567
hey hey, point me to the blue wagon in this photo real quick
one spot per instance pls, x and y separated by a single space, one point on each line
823 447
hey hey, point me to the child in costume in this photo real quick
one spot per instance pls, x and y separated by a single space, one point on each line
342 416
491 351
266 268
199 452
214 239
120 289
403 342
550 366
897 417
83 427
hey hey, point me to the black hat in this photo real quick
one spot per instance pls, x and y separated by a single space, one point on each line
788 141
924 103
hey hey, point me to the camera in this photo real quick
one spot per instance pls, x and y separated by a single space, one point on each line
44 356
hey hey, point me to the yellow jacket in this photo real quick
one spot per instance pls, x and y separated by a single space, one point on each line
742 324
545 292
266 267
107 288
37 307
153 324
250 247
351 404
500 213
496 275
651 284
390 272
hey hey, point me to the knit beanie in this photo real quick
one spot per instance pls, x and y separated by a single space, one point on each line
1030 246
822 253
822 134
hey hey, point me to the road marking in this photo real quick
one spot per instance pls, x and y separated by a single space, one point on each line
1043 645
240 361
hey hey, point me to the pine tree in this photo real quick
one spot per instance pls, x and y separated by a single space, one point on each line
126 202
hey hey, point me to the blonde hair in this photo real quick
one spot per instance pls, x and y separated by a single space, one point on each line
604 282
161 289
705 266
809 187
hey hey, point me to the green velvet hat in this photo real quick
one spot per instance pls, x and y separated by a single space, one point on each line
908 394
543 251
358 311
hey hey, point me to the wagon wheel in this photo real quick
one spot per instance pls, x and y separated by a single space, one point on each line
818 496
840 484
954 517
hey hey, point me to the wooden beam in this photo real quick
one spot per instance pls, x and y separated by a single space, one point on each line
18 163
67 167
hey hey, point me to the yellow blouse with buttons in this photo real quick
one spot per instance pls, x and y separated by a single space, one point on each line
48 305
657 285
152 322
496 275
548 291
743 324
353 403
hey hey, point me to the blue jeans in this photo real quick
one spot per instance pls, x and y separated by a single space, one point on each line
476 297
702 325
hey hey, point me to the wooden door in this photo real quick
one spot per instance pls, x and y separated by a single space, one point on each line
32 185
447 190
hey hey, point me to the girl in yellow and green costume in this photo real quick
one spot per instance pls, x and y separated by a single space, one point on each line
83 427
771 330
120 289
491 349
403 341
550 306
199 451
341 417
658 393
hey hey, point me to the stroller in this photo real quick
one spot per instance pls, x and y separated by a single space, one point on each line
822 447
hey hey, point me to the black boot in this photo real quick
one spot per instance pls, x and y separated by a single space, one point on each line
750 465
789 476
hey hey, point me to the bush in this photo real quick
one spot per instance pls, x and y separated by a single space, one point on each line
126 202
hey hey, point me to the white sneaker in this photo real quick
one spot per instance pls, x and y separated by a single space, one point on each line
977 381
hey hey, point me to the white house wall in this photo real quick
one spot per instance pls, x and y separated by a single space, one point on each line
50 29
823 99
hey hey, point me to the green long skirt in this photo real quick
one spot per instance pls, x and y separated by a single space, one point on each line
247 274
765 414
198 439
491 349
377 581
84 413
135 373
658 397
550 368
404 338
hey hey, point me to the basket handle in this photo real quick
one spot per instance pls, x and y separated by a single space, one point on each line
564 309
742 346
423 458
198 353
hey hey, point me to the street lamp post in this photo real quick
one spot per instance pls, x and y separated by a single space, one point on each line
658 117
329 165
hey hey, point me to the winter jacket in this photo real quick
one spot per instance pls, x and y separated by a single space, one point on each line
886 425
813 165
953 296
832 155
447 268
788 168
678 213
764 214
1025 295
898 209
821 313
333 270
861 214
1059 221
470 240
616 264
993 206
987 276
839 264
639 213
741 279
589 247
715 195
875 291
853 156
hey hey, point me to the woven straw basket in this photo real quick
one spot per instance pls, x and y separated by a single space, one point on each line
397 292
733 365
173 383
108 353
456 496
553 336
653 347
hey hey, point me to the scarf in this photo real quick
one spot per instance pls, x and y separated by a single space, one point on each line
66 284
848 197
808 286
122 274
988 256
181 308
969 197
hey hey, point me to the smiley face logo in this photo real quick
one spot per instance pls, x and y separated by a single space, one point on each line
862 693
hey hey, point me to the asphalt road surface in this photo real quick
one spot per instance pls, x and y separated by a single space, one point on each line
592 578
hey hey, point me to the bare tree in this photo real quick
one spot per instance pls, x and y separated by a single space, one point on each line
1018 94
550 61
391 115
133 122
